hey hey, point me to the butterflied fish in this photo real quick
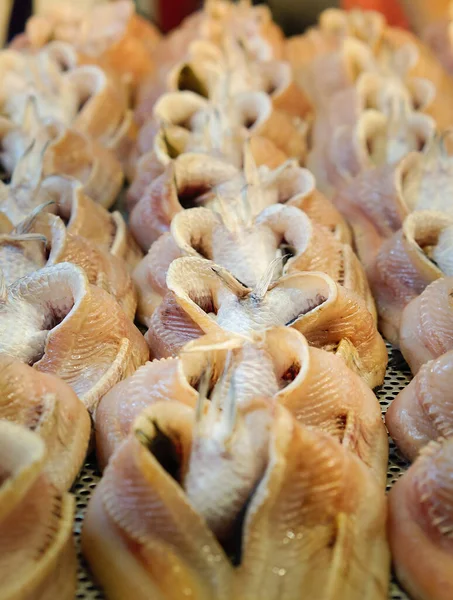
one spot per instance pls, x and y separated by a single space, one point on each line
406 264
211 299
245 245
185 515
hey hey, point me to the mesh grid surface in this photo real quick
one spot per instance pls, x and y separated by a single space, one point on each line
396 378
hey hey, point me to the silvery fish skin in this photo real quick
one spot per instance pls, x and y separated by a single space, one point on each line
48 406
420 506
316 387
71 329
37 554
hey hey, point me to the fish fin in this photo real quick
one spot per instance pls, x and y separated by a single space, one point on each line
263 285
23 237
230 281
25 224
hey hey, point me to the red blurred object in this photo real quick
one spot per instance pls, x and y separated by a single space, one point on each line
391 9
172 12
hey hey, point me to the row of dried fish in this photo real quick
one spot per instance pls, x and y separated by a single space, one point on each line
382 153
67 298
207 491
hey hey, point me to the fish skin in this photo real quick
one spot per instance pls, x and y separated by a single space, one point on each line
426 330
423 410
306 495
152 542
428 179
101 267
306 474
127 52
373 205
402 268
66 152
62 333
324 394
46 405
310 302
420 516
170 328
375 139
37 554
152 215
19 258
153 382
232 240
150 275
332 398
77 96
82 215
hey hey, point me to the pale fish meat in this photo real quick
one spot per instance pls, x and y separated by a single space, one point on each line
245 245
426 330
423 411
37 554
408 262
185 515
63 150
318 389
47 406
210 299
420 526
71 329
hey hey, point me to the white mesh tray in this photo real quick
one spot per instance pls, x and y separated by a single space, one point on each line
396 378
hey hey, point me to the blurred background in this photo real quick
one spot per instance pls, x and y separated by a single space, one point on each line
293 15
